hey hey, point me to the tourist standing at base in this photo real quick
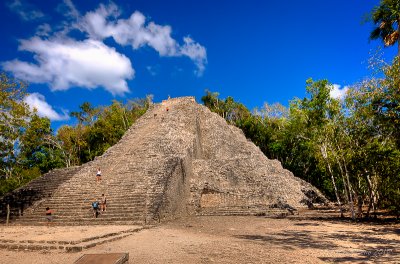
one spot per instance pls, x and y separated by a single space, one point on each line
49 216
98 175
103 204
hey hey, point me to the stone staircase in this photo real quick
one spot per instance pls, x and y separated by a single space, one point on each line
34 193
125 181
178 159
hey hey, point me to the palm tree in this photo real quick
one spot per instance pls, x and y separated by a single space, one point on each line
387 18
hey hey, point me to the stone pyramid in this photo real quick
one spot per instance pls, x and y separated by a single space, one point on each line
178 159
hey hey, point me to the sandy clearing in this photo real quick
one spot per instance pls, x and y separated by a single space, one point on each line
242 240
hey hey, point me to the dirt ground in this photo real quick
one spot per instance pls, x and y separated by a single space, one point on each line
242 240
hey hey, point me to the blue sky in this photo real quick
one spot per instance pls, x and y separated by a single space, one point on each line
256 51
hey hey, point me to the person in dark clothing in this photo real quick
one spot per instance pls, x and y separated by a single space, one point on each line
96 209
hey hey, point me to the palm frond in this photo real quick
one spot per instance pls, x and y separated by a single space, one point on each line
375 34
391 39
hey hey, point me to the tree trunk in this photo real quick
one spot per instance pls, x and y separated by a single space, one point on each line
371 197
353 216
325 155
346 188
349 193
8 214
359 205
336 191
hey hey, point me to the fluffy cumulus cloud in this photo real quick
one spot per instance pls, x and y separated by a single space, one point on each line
38 101
136 32
337 92
25 10
64 63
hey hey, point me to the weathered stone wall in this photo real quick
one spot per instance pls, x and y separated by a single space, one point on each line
232 171
222 168
176 194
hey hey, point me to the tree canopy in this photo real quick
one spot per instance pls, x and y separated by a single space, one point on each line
386 17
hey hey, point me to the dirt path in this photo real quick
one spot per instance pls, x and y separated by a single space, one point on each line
243 240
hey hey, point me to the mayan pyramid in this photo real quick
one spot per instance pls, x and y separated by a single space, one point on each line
178 159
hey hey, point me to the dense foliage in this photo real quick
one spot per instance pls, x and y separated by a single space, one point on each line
349 148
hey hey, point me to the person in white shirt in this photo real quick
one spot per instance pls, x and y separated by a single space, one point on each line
98 176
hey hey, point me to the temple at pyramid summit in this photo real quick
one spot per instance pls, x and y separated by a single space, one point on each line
178 159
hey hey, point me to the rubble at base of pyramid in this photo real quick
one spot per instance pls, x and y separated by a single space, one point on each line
178 159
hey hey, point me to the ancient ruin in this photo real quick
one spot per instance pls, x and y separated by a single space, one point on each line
178 159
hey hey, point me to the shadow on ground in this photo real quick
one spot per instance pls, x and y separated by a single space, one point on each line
358 241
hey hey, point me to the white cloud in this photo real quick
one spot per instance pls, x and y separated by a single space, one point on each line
38 101
25 10
337 92
64 63
134 31
196 52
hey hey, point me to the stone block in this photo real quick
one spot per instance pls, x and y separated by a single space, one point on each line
106 258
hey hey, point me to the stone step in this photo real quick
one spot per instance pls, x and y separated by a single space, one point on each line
102 186
88 211
59 207
88 203
68 246
115 196
109 195
113 191
87 218
81 206
82 211
92 221
235 211
89 200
